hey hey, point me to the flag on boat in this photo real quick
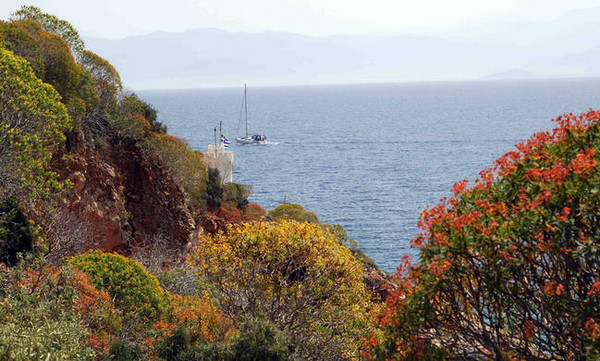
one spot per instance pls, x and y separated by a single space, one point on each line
224 141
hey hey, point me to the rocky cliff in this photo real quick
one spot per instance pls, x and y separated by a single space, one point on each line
122 197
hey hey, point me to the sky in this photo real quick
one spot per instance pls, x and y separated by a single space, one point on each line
115 19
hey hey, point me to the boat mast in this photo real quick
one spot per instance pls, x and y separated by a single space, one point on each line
246 105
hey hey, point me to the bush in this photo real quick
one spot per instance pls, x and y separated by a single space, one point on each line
185 165
32 127
49 54
135 292
122 350
260 340
298 276
15 232
201 317
214 189
172 347
97 312
237 194
292 211
210 351
37 317
509 267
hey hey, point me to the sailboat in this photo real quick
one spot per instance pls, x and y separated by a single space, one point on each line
254 138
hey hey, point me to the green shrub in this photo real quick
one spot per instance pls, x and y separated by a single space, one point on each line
292 211
122 350
260 340
32 127
237 194
15 232
37 318
172 347
136 292
184 165
214 189
210 351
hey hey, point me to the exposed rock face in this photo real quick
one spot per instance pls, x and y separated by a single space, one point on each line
377 283
122 197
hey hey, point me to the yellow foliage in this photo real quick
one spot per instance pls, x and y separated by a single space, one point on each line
292 211
184 164
32 126
297 275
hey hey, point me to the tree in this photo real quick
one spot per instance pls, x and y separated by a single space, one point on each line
297 276
509 266
52 24
106 78
184 164
237 194
33 123
48 53
53 62
214 189
260 340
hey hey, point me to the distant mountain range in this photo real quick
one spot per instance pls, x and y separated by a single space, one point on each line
566 47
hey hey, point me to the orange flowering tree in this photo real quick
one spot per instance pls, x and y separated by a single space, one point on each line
509 266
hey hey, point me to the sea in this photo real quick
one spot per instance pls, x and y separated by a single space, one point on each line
371 157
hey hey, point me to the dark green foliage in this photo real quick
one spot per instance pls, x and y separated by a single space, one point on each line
124 351
260 340
237 193
152 116
214 189
86 90
15 232
292 211
139 117
174 346
428 353
211 351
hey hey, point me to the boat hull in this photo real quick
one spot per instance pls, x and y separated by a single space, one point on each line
250 141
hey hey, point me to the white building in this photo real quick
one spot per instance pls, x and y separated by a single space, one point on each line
220 158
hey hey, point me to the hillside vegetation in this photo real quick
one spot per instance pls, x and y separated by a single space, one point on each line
117 242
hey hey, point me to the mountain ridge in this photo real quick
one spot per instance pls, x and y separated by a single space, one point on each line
210 57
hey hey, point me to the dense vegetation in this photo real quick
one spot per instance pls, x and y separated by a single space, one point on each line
285 289
297 276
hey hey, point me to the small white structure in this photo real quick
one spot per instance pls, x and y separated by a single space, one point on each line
218 157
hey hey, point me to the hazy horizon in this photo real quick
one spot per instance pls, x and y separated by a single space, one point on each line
224 43
118 19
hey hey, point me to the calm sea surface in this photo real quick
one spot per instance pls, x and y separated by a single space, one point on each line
371 157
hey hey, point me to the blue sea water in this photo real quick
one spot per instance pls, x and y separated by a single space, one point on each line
372 157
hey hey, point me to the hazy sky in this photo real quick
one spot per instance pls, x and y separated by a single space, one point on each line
121 18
